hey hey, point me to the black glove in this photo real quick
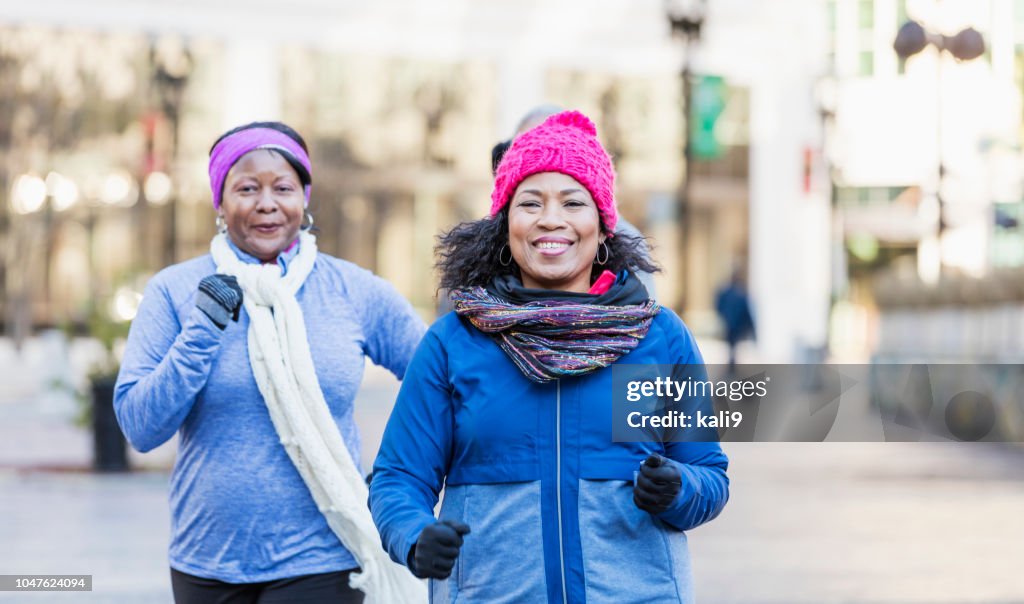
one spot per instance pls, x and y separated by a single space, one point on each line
657 484
434 554
219 297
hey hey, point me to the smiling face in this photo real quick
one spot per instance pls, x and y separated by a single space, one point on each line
263 204
553 231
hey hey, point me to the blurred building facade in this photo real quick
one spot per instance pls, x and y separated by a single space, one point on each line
926 253
113 107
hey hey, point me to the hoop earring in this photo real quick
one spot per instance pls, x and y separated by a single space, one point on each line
221 225
607 254
501 252
306 216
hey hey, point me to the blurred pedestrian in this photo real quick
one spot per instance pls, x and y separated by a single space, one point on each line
508 403
253 355
733 306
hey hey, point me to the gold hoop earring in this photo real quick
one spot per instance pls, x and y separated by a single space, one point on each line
306 216
222 226
501 253
607 254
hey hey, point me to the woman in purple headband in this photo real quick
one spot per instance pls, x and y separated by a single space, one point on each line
253 354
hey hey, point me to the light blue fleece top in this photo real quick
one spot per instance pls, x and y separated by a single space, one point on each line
240 511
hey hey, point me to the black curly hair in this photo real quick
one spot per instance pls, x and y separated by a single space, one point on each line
469 254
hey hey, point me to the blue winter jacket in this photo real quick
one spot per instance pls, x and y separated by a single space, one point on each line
532 469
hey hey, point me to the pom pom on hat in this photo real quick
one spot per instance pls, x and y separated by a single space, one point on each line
575 118
567 143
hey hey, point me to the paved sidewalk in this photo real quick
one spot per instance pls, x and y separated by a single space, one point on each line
896 523
114 528
806 523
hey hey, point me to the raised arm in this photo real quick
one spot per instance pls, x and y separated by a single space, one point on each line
166 364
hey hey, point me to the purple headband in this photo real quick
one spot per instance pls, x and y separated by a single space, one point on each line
231 148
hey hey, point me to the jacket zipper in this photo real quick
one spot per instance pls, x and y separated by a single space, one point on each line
558 482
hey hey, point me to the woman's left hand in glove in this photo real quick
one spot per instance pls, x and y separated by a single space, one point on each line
657 484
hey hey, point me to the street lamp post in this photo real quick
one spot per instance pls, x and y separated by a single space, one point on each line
966 45
172 66
686 18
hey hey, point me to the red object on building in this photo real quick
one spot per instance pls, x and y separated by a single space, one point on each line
150 161
808 168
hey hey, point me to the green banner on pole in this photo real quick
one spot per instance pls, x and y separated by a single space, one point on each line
706 105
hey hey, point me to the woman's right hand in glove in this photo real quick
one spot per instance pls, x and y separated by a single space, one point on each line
219 297
657 485
434 554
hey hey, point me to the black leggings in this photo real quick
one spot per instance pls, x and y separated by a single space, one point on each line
307 589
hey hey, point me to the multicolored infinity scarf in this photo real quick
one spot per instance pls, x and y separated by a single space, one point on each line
551 339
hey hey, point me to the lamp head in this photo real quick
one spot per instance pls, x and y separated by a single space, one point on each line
966 45
686 17
910 40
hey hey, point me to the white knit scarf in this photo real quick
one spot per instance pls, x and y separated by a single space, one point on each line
283 367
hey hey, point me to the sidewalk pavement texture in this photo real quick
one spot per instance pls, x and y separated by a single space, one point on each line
806 523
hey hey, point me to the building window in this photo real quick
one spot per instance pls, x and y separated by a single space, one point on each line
1007 237
866 14
866 38
1018 73
866 63
868 196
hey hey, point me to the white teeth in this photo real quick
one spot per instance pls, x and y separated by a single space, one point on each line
551 245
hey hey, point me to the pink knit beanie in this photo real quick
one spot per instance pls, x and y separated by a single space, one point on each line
565 142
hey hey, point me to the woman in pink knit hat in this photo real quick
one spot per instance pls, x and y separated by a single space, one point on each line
508 403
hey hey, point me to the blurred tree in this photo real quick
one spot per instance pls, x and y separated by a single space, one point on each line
62 94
